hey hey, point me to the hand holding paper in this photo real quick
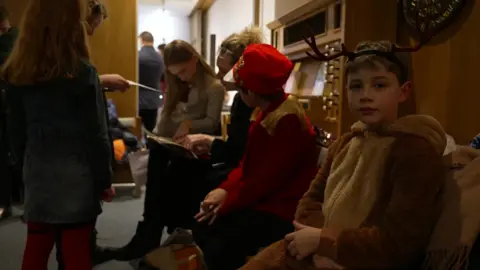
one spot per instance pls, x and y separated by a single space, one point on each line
114 82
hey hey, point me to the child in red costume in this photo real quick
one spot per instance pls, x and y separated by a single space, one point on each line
256 204
377 197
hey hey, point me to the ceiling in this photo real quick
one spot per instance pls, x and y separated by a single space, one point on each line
183 7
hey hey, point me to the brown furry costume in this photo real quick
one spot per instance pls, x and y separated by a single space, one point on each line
381 201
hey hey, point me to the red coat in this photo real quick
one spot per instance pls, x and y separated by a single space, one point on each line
279 162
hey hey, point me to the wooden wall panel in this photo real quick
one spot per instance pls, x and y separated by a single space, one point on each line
445 76
113 47
114 50
362 22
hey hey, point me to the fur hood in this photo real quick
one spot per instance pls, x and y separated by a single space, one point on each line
423 126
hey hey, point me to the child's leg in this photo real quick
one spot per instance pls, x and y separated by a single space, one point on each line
76 250
228 242
40 240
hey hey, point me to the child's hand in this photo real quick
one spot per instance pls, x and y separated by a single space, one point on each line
108 194
114 82
304 241
211 205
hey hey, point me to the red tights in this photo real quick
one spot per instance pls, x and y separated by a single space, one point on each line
75 245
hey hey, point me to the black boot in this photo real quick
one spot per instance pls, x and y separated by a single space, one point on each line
146 238
102 254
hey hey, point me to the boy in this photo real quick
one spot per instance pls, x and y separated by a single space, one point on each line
376 199
257 202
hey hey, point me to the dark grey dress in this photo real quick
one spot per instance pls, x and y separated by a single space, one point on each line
59 130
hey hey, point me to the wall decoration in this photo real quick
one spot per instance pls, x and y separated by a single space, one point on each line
431 16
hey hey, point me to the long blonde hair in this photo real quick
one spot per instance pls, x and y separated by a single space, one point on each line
51 44
235 44
178 52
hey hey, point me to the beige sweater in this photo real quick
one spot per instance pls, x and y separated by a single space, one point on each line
203 109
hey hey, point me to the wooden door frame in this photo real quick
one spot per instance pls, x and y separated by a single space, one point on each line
257 10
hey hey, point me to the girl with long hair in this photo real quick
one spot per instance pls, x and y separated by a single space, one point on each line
58 131
194 96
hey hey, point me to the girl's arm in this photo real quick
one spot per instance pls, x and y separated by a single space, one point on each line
96 119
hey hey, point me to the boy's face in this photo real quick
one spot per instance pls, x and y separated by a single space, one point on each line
374 95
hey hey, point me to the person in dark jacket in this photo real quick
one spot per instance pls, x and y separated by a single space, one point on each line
150 71
58 132
173 194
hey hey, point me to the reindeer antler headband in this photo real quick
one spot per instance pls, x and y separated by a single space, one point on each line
425 37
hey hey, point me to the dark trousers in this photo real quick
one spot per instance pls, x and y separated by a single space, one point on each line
176 186
74 242
231 238
149 118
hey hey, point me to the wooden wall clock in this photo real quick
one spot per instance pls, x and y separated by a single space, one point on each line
431 16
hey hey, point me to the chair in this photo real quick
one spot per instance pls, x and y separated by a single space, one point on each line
122 176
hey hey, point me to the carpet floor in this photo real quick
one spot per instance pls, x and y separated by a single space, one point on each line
116 225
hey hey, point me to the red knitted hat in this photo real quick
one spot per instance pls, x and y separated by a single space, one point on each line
262 69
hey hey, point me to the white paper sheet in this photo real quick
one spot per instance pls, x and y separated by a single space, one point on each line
143 86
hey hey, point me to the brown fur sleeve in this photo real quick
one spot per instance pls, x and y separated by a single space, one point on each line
401 233
309 209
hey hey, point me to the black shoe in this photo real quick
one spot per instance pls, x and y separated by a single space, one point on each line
102 254
5 212
146 238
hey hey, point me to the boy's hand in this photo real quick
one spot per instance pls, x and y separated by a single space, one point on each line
211 204
304 241
108 194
